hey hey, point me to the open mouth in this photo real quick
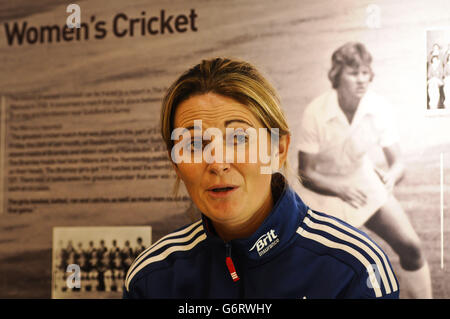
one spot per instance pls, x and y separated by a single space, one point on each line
221 191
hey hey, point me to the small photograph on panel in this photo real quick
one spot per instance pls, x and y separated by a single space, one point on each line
92 262
438 71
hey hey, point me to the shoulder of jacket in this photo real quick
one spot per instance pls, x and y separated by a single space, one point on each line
178 243
327 235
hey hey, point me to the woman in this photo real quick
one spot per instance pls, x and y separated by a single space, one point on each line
436 51
339 130
256 238
435 75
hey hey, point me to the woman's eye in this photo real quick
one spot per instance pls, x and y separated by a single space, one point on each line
194 146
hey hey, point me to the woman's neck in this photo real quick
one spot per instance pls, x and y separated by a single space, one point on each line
348 105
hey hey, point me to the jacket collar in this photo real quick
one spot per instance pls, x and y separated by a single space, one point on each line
275 232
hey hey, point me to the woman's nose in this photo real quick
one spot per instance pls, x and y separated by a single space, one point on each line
219 168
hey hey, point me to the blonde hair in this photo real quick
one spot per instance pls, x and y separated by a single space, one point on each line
352 54
236 79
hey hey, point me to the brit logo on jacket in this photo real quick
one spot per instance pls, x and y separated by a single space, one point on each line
266 242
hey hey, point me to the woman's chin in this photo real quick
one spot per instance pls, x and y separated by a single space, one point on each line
222 215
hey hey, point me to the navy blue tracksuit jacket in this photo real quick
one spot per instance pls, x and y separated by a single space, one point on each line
295 253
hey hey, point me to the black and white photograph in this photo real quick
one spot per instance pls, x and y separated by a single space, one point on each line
339 130
91 262
438 71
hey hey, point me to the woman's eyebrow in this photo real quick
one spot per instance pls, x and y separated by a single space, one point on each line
193 127
228 122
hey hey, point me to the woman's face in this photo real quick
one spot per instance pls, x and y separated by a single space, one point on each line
248 189
354 82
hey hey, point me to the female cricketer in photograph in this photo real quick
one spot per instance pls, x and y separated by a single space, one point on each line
256 237
338 131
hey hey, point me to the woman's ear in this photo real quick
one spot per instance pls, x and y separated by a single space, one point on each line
283 148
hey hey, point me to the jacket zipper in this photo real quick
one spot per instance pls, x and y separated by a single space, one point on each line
230 264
